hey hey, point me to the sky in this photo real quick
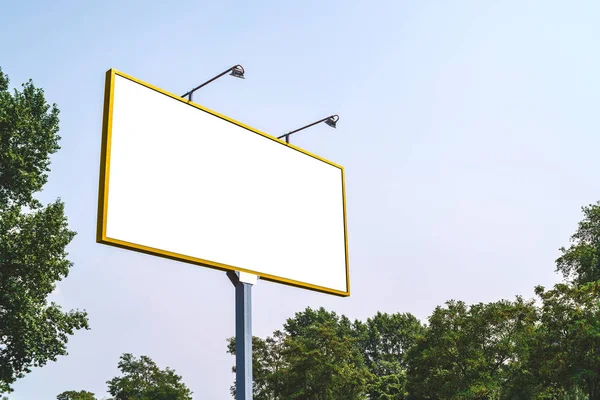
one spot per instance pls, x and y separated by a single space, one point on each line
468 132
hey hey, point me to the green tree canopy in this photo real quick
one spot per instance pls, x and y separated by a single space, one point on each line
321 365
33 238
568 345
580 263
384 341
73 395
28 136
315 357
267 366
304 321
467 352
142 379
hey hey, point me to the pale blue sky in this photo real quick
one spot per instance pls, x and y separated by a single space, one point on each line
468 130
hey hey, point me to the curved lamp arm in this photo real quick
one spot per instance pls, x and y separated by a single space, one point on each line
236 70
331 121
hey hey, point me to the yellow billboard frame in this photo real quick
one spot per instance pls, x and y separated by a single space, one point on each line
104 187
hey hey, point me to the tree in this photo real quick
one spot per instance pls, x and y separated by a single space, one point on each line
568 345
321 365
384 341
322 358
143 380
267 364
73 395
469 352
315 357
33 238
28 136
580 263
305 320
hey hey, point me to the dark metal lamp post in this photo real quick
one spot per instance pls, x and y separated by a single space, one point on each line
236 70
331 121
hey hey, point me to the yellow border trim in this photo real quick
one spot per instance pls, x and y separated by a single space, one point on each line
104 187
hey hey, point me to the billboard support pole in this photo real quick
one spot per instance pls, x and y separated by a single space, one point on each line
243 283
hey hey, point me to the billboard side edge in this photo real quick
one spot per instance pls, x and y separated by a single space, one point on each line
105 156
345 232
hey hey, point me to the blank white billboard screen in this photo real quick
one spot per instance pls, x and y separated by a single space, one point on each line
183 182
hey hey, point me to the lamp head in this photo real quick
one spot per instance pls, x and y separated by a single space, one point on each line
238 72
332 121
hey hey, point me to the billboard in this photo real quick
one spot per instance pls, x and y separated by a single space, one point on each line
180 181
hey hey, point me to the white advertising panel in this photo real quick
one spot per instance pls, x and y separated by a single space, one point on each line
180 181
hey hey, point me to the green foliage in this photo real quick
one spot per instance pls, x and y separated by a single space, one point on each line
580 263
322 358
315 357
322 365
391 386
568 342
143 380
307 319
73 395
503 350
469 352
384 341
28 136
32 241
267 365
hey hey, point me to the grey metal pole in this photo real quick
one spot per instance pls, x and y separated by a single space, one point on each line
243 344
243 335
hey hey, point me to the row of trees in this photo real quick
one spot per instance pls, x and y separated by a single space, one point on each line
141 379
544 348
